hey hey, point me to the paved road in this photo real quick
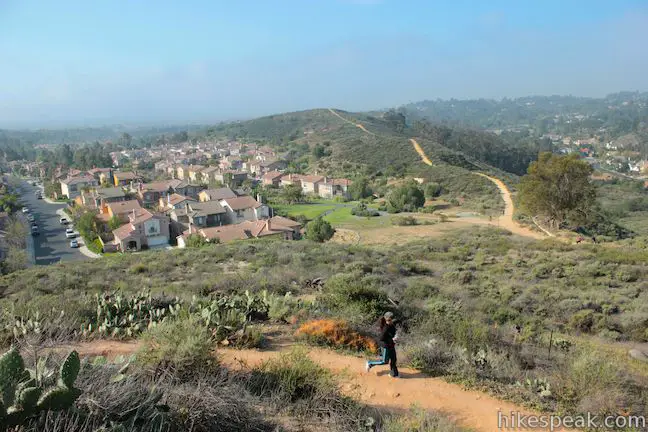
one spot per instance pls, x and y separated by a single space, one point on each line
51 245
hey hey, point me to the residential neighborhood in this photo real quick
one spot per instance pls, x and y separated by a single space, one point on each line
159 196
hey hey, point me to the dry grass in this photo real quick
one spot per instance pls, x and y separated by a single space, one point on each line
337 334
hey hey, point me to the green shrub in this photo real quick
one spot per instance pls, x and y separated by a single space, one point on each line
183 345
355 299
362 210
404 221
294 381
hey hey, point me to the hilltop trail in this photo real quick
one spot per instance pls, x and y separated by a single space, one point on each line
358 125
420 151
466 407
505 221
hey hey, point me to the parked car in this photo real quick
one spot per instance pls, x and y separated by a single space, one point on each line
69 233
34 231
74 243
64 221
25 210
30 218
34 225
39 196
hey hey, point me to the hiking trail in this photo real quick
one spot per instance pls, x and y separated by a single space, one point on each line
469 408
505 220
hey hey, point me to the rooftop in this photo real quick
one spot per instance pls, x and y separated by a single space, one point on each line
219 194
242 202
126 175
122 207
206 208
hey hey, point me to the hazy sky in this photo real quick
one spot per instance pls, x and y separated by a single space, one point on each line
89 62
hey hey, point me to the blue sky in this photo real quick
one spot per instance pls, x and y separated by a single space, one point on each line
75 62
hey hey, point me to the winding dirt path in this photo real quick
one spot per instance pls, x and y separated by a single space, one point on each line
469 408
506 220
420 151
358 125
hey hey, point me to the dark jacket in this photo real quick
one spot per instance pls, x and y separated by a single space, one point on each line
387 336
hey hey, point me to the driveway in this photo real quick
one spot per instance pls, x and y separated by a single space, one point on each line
51 246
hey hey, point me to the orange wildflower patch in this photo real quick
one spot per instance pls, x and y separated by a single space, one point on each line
337 334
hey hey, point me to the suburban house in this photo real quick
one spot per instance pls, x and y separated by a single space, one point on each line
261 167
97 173
187 189
310 183
99 197
216 194
143 230
196 214
184 172
277 227
71 187
120 209
231 163
244 208
290 179
195 173
271 178
174 200
209 173
150 193
124 178
162 166
230 178
334 187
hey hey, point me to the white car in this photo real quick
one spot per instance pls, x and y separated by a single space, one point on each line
64 221
69 233
74 243
25 210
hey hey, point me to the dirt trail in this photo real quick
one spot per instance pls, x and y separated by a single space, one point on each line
466 407
420 151
358 125
506 220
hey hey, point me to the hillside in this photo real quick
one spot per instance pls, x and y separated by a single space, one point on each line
383 147
458 299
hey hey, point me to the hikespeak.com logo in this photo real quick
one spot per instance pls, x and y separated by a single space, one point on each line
515 420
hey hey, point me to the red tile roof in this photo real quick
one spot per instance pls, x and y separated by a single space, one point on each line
242 202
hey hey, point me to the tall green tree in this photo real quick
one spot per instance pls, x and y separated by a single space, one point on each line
360 189
292 194
407 197
558 188
319 230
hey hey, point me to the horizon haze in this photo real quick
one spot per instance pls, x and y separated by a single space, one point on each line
77 64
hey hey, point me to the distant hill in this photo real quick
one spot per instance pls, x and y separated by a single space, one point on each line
615 114
86 135
386 148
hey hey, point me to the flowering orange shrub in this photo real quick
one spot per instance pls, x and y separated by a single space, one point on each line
337 334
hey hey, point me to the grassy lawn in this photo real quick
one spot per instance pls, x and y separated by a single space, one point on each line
340 215
310 211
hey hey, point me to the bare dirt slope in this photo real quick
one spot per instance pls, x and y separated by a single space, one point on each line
469 408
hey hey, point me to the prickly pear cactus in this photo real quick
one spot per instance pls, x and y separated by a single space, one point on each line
23 397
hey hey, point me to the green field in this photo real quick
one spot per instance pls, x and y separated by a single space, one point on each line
310 211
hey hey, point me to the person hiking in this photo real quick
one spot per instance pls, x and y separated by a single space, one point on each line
387 341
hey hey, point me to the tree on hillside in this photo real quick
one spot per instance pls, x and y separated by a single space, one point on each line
319 230
292 194
432 190
396 120
360 189
405 198
559 188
